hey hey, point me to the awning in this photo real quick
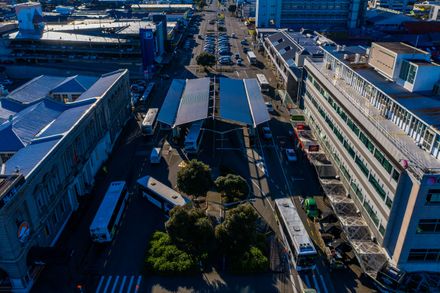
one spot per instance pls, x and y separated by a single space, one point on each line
171 103
257 107
234 104
195 101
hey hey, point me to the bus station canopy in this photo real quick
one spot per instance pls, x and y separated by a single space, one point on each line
195 101
241 101
171 103
188 100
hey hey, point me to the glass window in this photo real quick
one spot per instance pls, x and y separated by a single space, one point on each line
382 230
417 254
428 226
396 175
371 213
377 186
389 202
433 197
362 166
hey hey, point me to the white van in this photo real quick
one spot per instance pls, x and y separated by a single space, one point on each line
155 156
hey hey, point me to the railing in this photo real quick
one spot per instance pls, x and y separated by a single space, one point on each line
420 167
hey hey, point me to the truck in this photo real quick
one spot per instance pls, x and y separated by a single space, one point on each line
251 57
311 207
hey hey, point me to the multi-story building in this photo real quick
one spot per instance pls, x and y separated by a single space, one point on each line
320 16
56 132
287 50
403 6
80 45
376 113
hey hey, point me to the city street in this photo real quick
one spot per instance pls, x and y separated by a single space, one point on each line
119 266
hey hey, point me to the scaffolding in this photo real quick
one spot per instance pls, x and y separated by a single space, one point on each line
370 255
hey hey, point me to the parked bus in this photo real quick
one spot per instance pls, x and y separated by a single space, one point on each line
147 92
160 195
109 214
263 83
149 122
194 137
301 249
251 57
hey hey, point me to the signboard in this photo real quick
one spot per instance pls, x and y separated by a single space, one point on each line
147 49
314 148
23 232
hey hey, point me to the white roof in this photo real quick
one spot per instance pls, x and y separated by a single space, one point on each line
169 194
295 226
108 204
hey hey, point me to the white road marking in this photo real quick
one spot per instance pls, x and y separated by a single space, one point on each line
114 285
122 284
138 283
100 284
130 284
107 284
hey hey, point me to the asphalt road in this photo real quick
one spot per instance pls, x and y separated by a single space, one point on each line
119 266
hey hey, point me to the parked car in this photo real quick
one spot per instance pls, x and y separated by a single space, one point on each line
269 107
291 155
267 134
233 35
240 62
311 208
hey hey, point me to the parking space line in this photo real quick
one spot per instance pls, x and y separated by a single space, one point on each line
307 281
323 284
130 284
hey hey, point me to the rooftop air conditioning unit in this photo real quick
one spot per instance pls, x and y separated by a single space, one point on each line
346 57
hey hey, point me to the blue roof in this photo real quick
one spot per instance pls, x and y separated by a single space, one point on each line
27 158
36 89
168 111
26 124
75 84
233 101
66 120
195 101
8 108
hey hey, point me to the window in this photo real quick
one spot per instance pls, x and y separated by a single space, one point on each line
396 176
389 202
426 255
377 186
371 213
428 226
408 72
433 197
362 166
382 230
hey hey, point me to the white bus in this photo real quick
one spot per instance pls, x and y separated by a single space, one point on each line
147 92
149 122
251 57
302 252
160 195
263 83
194 137
109 214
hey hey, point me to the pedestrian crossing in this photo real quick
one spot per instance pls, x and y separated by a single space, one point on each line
119 284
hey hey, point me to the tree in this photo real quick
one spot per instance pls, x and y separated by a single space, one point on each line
238 232
165 258
190 230
194 179
205 59
233 187
232 8
251 261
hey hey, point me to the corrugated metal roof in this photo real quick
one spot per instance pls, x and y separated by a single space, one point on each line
66 120
171 103
75 84
27 158
36 89
8 108
29 122
256 102
10 142
102 85
195 101
233 101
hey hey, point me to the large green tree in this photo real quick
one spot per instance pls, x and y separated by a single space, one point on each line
194 179
205 59
233 187
191 230
251 261
238 232
165 258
